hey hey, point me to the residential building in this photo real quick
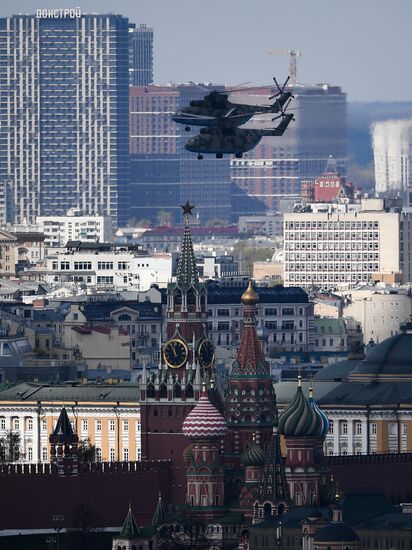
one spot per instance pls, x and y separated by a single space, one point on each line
329 187
108 416
270 224
59 230
162 173
392 152
273 171
21 248
64 112
343 245
6 202
140 55
284 316
108 267
330 334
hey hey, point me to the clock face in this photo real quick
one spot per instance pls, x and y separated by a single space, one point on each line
176 353
206 354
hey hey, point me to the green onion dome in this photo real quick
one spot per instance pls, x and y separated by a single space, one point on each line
300 419
324 418
253 455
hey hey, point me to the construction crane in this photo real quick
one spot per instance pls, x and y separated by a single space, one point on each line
293 57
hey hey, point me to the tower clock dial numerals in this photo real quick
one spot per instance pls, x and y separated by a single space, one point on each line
176 353
206 354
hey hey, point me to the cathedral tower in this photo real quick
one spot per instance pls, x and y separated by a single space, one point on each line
304 427
250 403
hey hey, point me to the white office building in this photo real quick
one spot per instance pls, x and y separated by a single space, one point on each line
340 246
75 226
109 267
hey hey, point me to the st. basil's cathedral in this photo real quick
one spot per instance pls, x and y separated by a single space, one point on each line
235 463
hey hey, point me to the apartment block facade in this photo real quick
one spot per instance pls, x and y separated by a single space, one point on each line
342 246
64 112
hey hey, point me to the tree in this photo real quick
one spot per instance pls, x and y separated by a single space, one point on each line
10 450
86 452
85 528
189 531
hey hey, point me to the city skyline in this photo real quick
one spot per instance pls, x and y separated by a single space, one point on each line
377 73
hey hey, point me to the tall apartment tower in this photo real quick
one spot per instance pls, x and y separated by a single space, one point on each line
64 112
392 151
140 55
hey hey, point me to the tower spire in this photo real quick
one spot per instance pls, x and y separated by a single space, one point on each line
186 269
250 358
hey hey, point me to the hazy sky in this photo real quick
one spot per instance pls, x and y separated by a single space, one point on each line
362 45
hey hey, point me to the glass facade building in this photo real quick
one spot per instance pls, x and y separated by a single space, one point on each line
270 176
162 173
140 55
64 113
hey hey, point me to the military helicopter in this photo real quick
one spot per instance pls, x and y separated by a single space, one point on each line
233 140
215 109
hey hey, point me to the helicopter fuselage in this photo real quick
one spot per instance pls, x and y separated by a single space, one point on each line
216 141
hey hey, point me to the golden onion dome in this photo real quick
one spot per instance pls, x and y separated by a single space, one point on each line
250 296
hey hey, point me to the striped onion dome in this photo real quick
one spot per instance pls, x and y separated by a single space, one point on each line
253 455
318 410
204 420
300 419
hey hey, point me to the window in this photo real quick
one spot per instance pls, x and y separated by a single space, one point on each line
271 311
404 429
125 455
112 425
98 426
30 454
30 424
64 265
122 265
104 265
358 428
44 456
44 425
139 454
85 425
138 426
223 313
373 429
344 428
98 454
2 423
125 425
331 427
104 280
112 454
16 424
82 266
288 311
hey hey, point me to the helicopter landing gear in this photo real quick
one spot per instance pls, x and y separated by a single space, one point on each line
238 155
187 128
200 157
219 155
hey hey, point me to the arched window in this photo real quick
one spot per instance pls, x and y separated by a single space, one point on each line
162 391
150 392
124 317
189 391
267 509
177 391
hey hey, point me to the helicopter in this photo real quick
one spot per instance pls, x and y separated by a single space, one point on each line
233 140
215 109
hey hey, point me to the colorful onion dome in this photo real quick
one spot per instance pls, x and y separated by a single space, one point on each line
204 420
319 412
250 296
299 419
253 455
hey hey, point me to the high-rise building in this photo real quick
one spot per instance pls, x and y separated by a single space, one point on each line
64 112
392 151
273 171
140 55
162 173
6 201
